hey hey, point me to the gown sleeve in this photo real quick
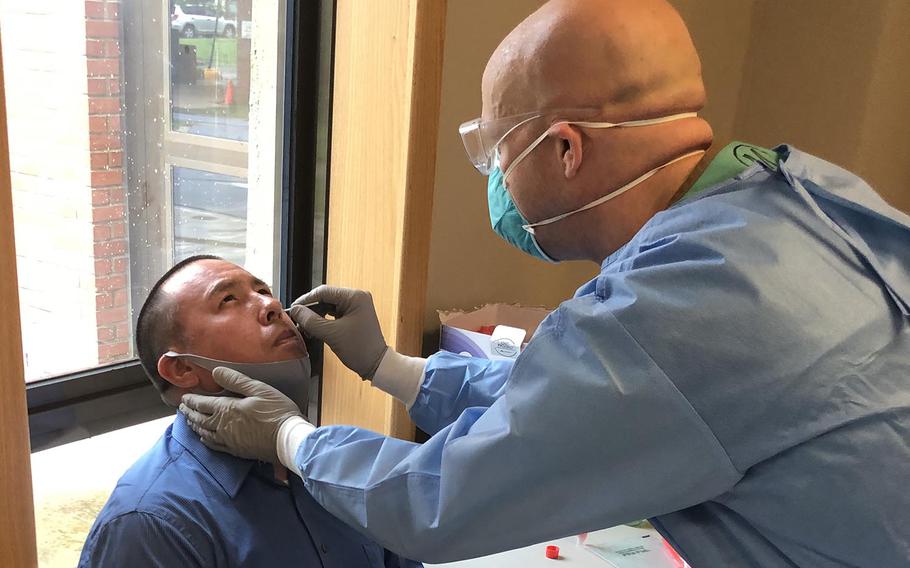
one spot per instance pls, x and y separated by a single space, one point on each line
454 383
587 432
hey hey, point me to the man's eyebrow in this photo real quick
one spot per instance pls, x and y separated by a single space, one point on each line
220 286
227 283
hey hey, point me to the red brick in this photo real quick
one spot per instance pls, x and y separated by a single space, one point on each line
118 195
110 248
102 233
103 105
113 123
94 10
113 11
103 301
103 67
114 212
106 334
110 282
100 160
111 48
94 48
97 29
122 331
97 124
103 267
118 231
100 197
115 158
107 177
120 263
97 87
103 86
113 351
120 297
104 142
111 315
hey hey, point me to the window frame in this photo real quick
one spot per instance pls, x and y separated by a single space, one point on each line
78 405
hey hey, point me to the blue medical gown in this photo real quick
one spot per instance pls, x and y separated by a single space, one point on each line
739 373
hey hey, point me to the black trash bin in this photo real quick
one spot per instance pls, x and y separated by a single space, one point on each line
183 62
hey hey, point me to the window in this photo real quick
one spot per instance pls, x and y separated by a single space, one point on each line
143 132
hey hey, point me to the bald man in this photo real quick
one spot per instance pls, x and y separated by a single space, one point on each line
737 372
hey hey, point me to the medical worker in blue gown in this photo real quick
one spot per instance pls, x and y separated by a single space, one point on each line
738 371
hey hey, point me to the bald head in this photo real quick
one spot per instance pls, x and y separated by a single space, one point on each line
625 60
629 58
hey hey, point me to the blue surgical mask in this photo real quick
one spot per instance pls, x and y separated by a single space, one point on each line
507 220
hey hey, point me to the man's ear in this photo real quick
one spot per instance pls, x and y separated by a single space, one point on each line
570 153
178 372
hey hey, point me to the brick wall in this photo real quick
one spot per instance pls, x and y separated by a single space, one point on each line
107 180
48 123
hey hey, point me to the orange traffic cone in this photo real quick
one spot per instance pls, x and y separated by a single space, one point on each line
229 93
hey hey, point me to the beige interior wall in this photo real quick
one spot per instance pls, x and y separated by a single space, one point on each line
720 30
470 265
808 75
831 78
882 155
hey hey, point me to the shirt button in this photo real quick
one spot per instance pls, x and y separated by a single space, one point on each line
324 548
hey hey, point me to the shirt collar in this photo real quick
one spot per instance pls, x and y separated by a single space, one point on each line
228 471
732 160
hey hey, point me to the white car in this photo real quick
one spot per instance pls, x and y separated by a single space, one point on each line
194 20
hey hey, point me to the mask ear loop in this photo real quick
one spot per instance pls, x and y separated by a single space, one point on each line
530 226
586 124
528 150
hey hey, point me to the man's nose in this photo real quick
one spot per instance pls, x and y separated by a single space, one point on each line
270 310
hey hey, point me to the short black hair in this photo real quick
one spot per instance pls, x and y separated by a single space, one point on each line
157 327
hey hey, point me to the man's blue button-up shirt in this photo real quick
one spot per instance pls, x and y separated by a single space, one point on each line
184 505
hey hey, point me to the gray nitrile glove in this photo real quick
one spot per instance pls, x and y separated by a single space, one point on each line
354 335
246 427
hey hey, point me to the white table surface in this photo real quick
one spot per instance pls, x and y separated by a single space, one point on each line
570 554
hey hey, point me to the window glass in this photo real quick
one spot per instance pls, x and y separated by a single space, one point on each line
206 88
134 137
210 86
209 215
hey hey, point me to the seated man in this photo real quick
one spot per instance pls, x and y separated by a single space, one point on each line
183 504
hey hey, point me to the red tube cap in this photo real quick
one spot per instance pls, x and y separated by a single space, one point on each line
553 552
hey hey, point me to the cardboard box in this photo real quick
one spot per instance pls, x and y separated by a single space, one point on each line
460 329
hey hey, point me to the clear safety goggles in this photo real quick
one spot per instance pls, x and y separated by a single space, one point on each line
482 137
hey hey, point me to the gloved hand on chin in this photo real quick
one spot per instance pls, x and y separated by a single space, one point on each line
249 427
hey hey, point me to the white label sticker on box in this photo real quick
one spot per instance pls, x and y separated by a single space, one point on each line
506 341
